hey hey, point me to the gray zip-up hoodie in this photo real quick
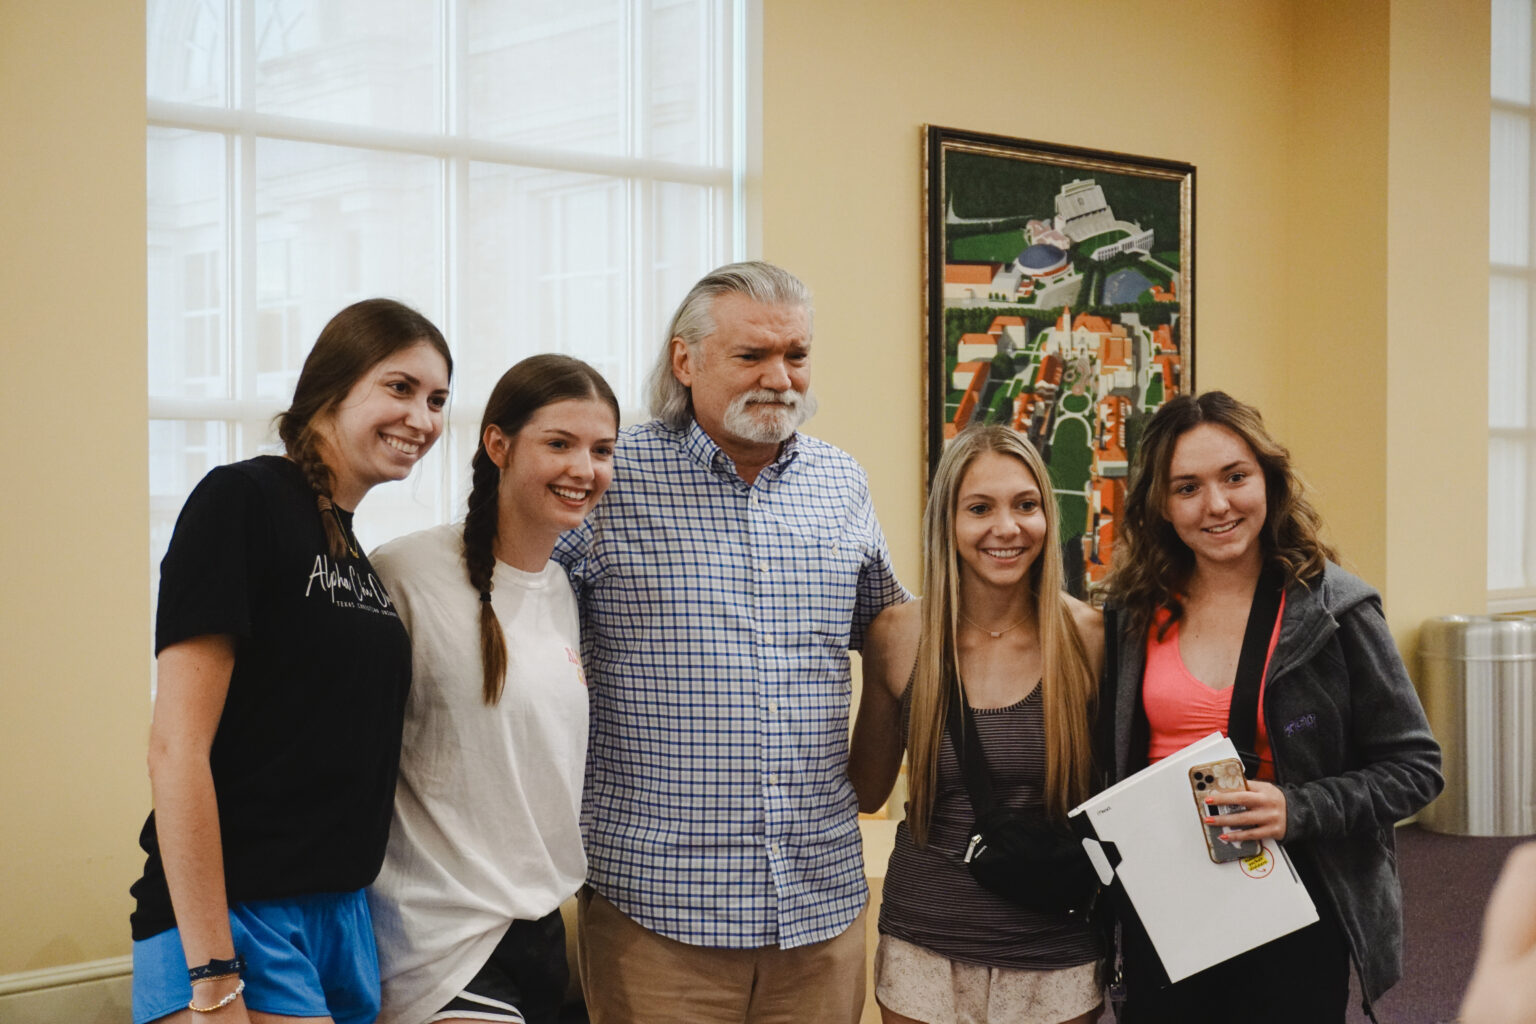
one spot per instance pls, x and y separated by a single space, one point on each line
1352 749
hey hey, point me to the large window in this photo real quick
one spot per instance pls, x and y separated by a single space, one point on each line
1511 286
533 176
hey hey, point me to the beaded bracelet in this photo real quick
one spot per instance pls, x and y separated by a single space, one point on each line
239 987
216 969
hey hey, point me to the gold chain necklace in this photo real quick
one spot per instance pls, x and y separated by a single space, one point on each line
994 633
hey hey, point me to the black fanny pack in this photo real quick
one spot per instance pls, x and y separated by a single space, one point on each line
1021 855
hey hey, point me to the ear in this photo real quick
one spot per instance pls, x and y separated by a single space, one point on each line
683 362
497 445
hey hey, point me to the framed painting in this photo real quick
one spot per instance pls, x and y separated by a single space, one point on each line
1060 301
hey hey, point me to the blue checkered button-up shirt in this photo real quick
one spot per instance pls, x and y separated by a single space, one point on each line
716 622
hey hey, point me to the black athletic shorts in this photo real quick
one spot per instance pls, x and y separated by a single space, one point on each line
523 982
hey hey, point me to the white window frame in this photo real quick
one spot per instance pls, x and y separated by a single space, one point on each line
1517 598
242 127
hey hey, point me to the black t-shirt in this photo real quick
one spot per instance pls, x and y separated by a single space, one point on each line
308 747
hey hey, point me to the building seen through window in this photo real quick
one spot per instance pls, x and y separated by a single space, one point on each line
532 176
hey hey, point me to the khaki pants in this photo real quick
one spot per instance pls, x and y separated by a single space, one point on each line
631 975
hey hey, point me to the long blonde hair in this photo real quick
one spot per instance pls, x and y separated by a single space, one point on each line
1067 686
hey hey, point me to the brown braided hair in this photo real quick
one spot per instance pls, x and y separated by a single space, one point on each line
355 341
522 391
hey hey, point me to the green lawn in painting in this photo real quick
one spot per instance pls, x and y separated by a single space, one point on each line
1000 410
1088 245
1070 466
1000 247
1152 272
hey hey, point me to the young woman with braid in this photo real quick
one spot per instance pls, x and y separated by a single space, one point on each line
283 671
995 630
486 840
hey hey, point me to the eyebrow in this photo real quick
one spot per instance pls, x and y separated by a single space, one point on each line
562 432
412 380
1028 492
1223 469
754 346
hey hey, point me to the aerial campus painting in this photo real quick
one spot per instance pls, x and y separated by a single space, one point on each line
1059 301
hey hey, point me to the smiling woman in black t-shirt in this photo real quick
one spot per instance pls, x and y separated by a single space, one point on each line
282 676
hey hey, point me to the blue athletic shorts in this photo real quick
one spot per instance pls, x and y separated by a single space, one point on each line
310 956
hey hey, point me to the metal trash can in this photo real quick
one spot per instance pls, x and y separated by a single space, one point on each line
1479 691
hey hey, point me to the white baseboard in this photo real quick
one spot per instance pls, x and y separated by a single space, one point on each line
97 992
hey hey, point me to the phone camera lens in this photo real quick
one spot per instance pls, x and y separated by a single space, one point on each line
1199 785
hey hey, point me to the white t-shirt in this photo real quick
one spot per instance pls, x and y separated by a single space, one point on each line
486 824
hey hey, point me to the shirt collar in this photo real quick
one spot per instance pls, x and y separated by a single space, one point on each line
702 449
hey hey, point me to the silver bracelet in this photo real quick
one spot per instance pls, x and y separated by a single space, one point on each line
239 987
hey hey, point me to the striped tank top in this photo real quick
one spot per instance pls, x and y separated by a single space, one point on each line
931 899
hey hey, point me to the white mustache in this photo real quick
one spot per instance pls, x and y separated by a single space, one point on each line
793 400
768 416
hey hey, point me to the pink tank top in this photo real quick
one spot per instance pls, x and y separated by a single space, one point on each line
1181 709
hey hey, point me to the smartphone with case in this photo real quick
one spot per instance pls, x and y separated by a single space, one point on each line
1225 775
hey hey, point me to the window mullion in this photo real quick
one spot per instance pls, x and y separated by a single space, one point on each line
1529 442
729 138
455 63
639 198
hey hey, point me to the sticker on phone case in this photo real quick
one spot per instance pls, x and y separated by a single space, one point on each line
1260 864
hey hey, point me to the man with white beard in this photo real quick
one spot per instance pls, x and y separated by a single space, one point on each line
723 579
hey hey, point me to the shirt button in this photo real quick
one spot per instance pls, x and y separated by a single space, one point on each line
773 707
762 566
773 779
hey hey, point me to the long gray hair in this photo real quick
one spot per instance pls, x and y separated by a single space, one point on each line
694 321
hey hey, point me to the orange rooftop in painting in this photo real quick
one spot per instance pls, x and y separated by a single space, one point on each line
968 273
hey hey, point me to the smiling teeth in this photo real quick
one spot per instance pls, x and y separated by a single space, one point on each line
570 494
1221 529
402 446
1005 552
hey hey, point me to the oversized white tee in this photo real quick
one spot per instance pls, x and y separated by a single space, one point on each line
486 823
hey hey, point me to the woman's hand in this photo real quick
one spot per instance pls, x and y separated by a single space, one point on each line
1503 989
1262 817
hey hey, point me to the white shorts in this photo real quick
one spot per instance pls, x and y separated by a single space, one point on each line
919 983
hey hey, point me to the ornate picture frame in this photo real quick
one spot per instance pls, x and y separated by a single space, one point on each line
1060 300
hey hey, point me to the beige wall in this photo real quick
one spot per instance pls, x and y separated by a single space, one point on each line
1336 149
74 646
1437 314
1336 221
1335 145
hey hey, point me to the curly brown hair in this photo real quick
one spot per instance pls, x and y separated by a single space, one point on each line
1152 566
